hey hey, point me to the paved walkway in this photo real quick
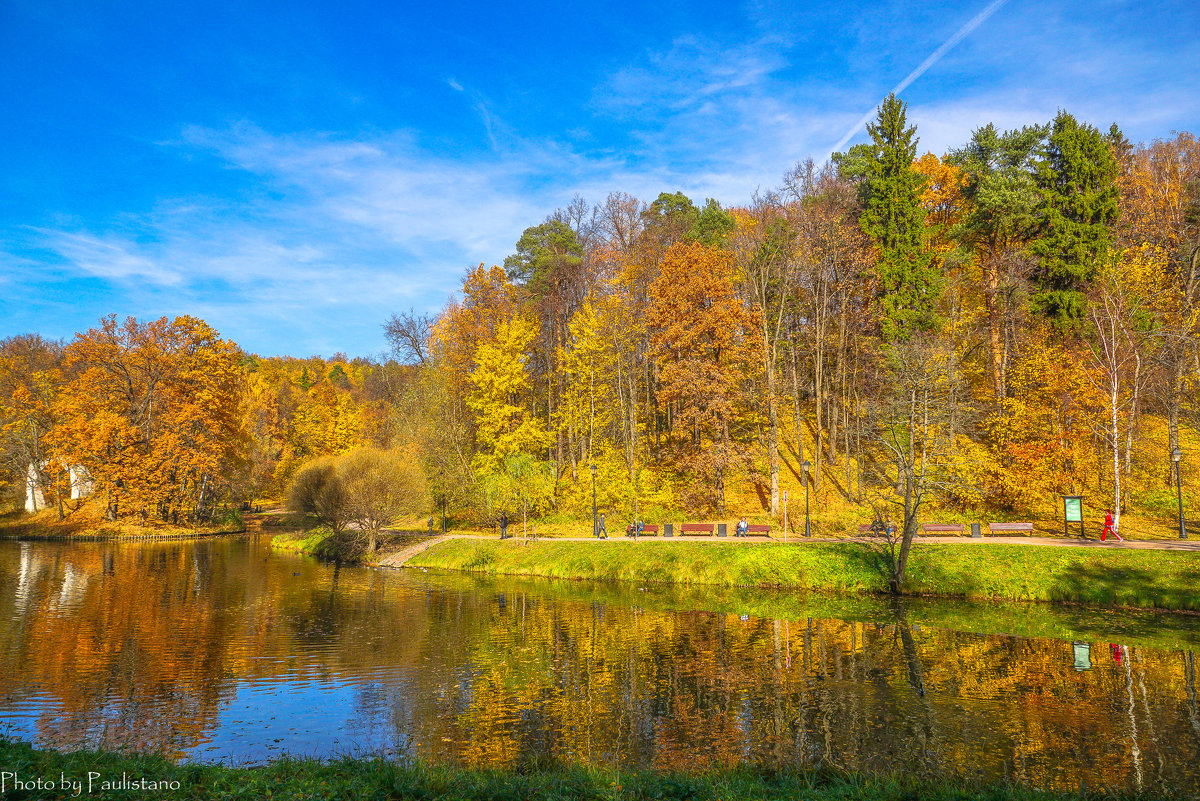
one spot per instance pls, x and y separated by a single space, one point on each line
399 558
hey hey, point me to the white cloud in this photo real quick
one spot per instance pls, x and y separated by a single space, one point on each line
110 257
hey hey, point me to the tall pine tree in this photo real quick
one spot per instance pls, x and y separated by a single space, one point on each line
1077 205
909 283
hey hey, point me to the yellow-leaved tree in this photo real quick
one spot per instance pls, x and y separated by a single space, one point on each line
503 425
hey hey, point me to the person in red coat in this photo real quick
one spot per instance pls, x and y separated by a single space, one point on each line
1108 528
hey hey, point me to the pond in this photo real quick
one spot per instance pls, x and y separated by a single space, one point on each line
224 650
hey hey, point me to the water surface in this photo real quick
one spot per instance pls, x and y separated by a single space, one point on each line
223 650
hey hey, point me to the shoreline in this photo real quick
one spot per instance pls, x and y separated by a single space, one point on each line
119 775
1140 574
111 537
1111 577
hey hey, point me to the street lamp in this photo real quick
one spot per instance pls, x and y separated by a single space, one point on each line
595 528
442 482
1176 455
806 466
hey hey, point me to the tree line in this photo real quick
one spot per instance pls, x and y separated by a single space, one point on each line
985 330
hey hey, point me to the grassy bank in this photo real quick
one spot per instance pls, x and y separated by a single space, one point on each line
113 776
83 521
350 547
318 541
1141 578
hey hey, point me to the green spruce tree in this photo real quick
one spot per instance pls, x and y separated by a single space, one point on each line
1077 205
909 283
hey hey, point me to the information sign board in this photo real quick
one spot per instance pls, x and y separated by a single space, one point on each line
1073 509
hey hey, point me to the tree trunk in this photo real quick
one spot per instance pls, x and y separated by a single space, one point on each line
995 329
1115 442
796 402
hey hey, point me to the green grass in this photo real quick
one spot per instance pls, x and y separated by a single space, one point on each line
348 778
319 541
1141 578
347 547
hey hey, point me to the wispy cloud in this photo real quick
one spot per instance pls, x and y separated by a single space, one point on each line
375 223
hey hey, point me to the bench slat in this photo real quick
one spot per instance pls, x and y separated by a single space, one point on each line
1010 526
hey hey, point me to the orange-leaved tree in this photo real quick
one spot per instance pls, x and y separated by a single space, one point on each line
152 412
29 379
703 343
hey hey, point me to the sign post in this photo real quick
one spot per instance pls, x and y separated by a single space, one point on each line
785 515
1073 513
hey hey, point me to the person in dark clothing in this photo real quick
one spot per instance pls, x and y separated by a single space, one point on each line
600 532
503 525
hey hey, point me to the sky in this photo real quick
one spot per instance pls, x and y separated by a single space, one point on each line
295 173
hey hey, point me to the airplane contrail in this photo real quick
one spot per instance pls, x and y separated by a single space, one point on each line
924 66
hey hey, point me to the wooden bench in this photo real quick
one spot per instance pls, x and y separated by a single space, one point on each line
648 530
1023 528
868 529
758 528
942 528
697 528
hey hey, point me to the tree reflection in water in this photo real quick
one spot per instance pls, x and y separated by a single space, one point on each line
222 649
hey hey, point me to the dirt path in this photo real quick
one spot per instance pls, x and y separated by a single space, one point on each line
399 558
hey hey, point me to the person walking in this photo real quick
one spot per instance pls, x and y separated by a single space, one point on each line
503 525
600 532
1109 528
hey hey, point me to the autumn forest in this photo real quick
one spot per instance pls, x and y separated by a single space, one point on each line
974 334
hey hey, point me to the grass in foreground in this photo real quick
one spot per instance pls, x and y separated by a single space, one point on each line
1143 578
113 776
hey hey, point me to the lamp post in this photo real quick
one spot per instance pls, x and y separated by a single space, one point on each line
805 467
442 487
595 529
1176 455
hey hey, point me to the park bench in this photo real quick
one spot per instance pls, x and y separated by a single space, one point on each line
942 528
758 528
696 528
1023 528
648 530
871 529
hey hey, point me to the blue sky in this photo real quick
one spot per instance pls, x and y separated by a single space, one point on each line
296 172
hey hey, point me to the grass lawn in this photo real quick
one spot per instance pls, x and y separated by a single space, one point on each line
122 776
1141 578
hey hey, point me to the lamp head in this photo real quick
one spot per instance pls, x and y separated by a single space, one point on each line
1176 455
806 465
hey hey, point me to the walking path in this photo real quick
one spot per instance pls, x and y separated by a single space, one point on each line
399 558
